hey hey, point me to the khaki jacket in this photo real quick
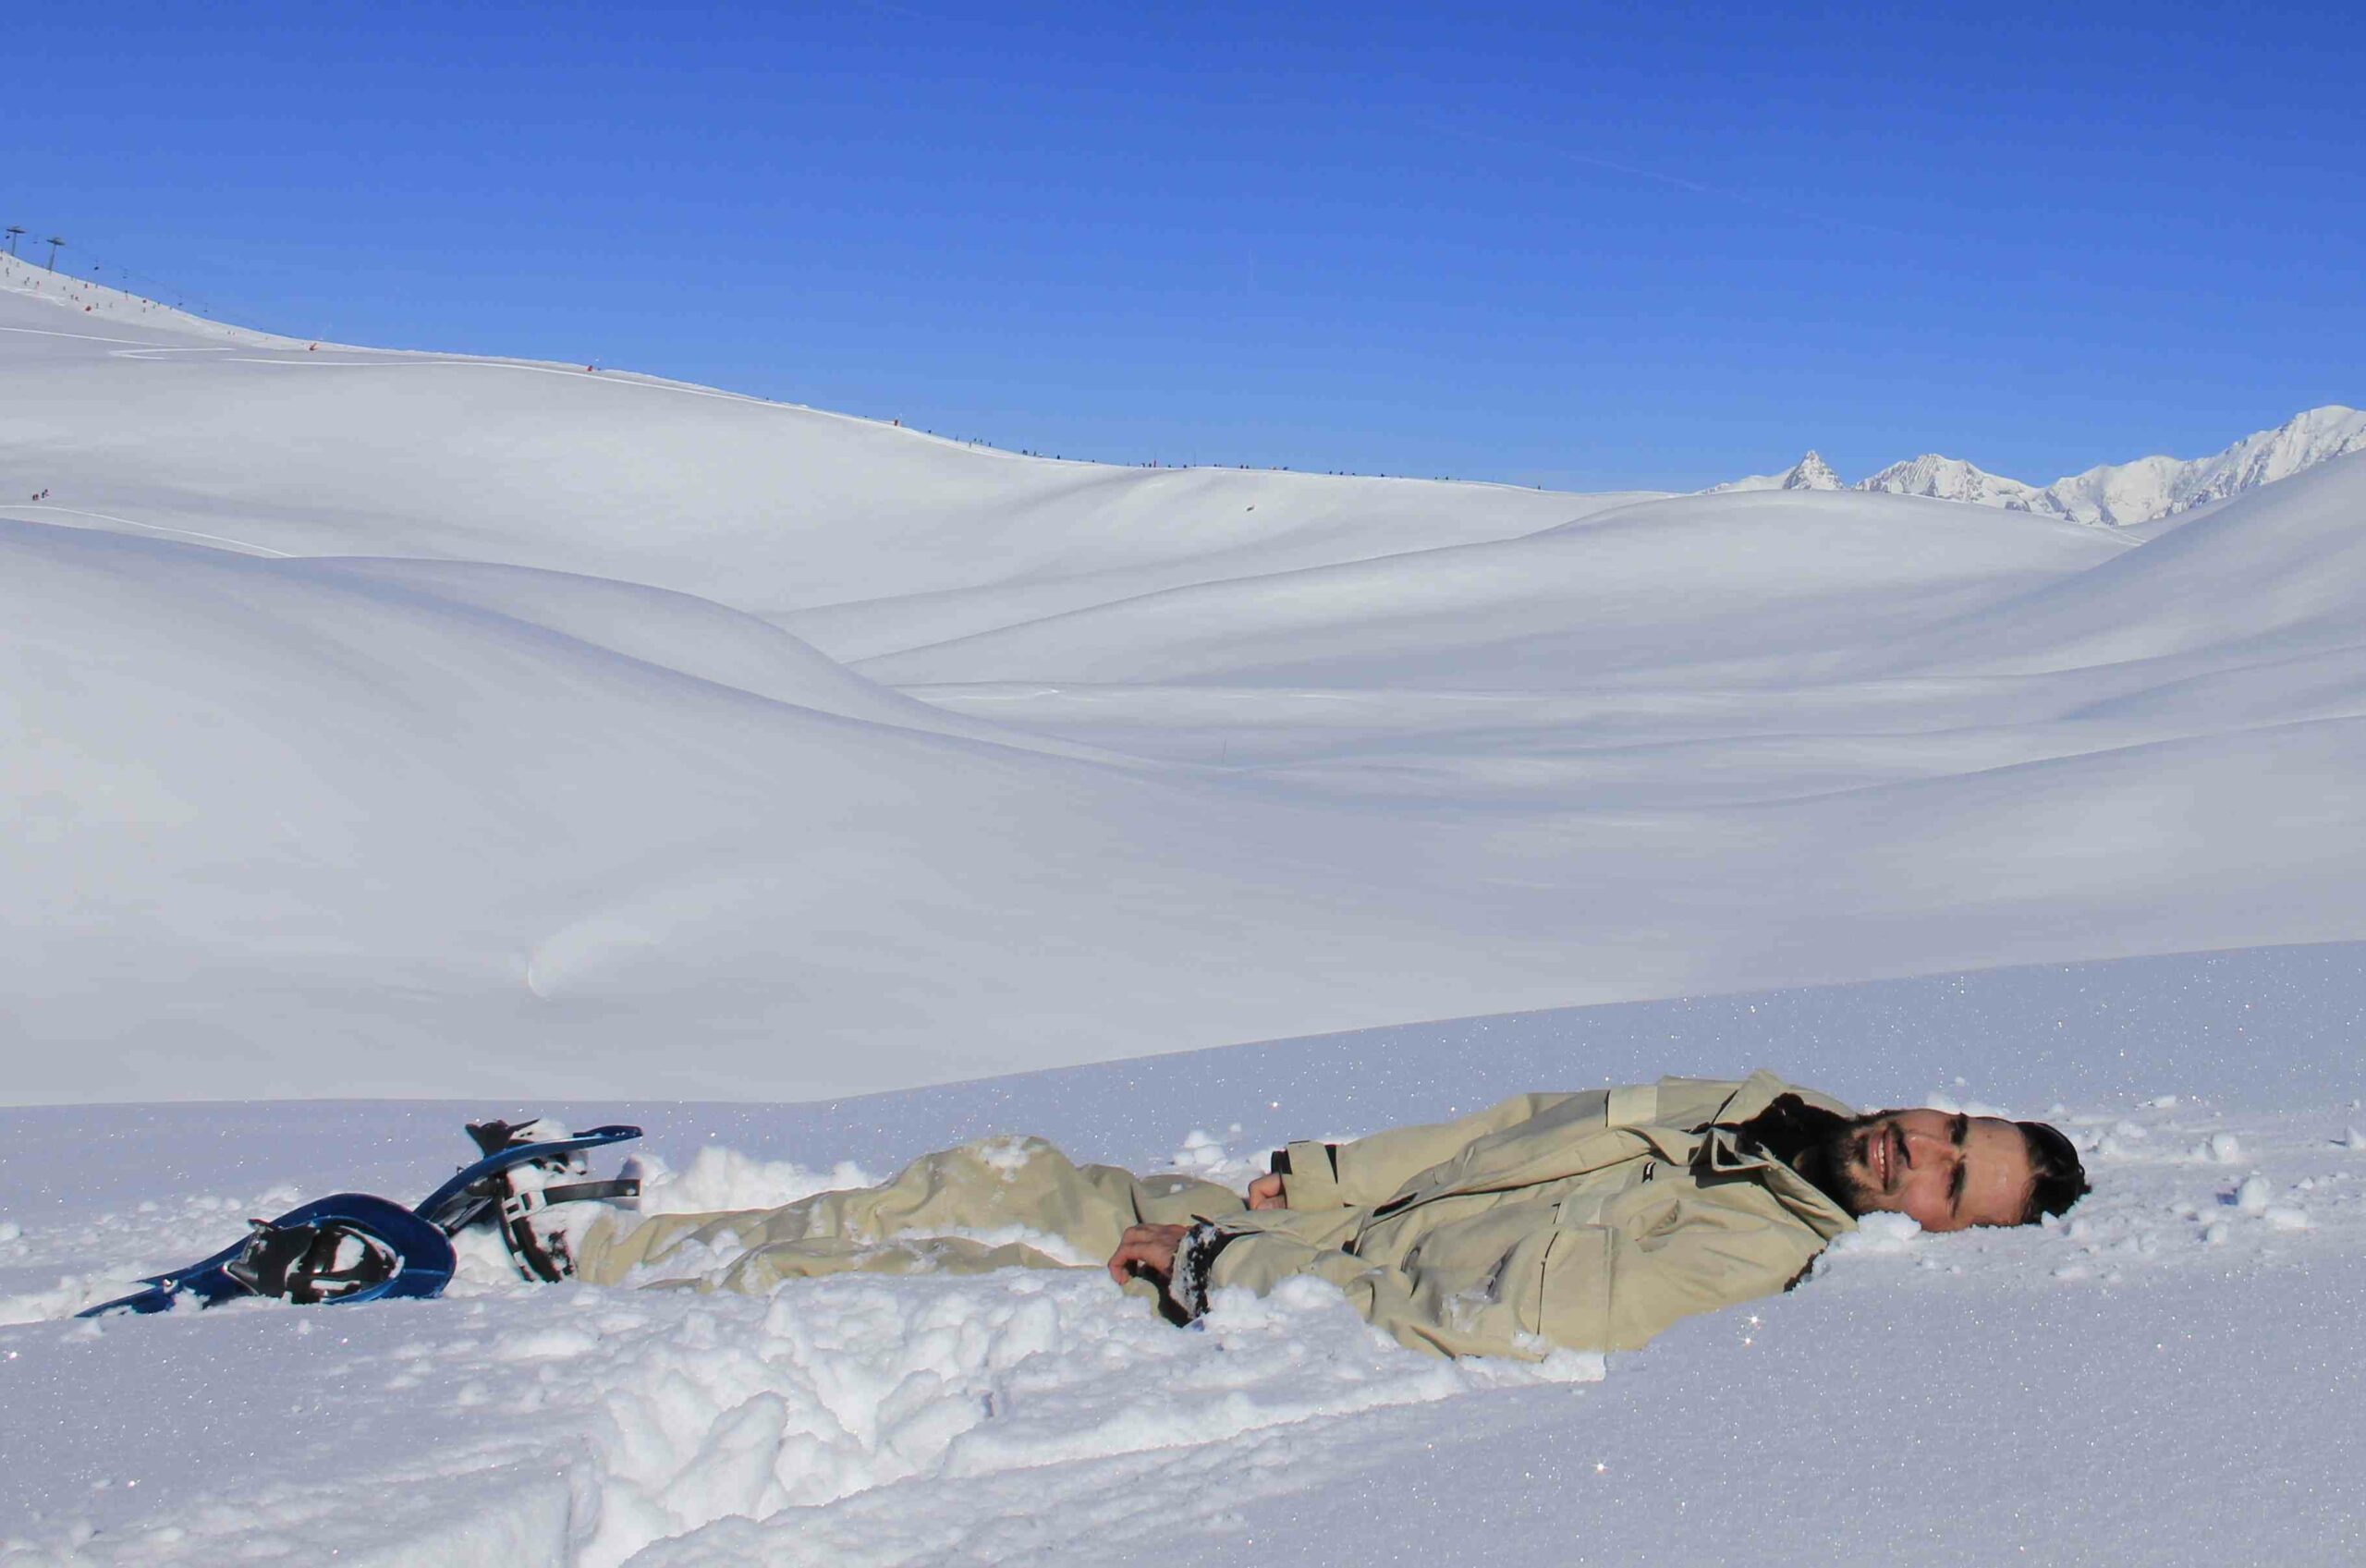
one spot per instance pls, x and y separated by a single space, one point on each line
1587 1222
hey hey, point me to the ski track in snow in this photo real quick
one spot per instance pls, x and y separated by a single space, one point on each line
147 527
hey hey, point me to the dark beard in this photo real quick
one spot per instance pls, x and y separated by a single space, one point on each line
1814 1142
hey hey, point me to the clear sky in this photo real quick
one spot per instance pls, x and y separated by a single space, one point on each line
1586 245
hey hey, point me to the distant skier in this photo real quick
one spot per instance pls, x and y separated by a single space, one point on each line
1588 1221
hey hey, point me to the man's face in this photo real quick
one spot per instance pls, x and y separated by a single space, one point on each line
1944 1172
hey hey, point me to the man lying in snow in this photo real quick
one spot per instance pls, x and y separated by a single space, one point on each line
1587 1222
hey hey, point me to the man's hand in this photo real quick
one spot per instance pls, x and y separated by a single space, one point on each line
1266 1191
1147 1249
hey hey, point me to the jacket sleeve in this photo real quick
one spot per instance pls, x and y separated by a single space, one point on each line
1337 1176
1441 1311
1572 1287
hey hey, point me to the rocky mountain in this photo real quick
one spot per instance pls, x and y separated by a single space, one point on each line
1810 472
2161 487
1952 479
2113 494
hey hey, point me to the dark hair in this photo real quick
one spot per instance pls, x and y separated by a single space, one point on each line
2056 1179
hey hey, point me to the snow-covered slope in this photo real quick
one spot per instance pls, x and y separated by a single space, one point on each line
2149 490
1695 583
148 426
401 724
2272 578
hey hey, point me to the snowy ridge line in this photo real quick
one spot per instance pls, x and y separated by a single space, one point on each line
39 285
93 337
2112 494
302 352
114 302
421 359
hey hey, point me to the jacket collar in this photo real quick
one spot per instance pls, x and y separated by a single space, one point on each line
1754 1094
1682 1135
1720 1152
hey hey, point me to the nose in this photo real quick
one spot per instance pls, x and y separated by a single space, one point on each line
1926 1149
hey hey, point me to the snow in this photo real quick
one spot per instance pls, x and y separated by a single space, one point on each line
919 1420
2149 490
655 713
2153 488
1810 472
1951 478
391 740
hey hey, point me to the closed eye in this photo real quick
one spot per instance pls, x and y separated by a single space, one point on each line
1960 1131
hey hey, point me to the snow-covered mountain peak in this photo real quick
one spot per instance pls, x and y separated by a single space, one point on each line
2112 494
2152 488
1810 472
1949 479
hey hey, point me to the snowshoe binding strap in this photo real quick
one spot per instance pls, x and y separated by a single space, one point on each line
310 1264
520 1177
494 1136
470 1197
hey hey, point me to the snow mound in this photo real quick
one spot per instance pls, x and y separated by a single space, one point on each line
663 1415
1876 1236
720 1180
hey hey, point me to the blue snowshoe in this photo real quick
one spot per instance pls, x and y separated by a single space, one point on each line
523 1172
355 1248
348 1247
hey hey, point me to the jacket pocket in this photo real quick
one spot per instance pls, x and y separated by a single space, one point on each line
1573 1289
1552 1282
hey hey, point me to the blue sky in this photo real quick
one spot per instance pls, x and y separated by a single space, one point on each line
1582 246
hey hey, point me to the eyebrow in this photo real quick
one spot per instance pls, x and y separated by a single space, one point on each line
1961 1130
